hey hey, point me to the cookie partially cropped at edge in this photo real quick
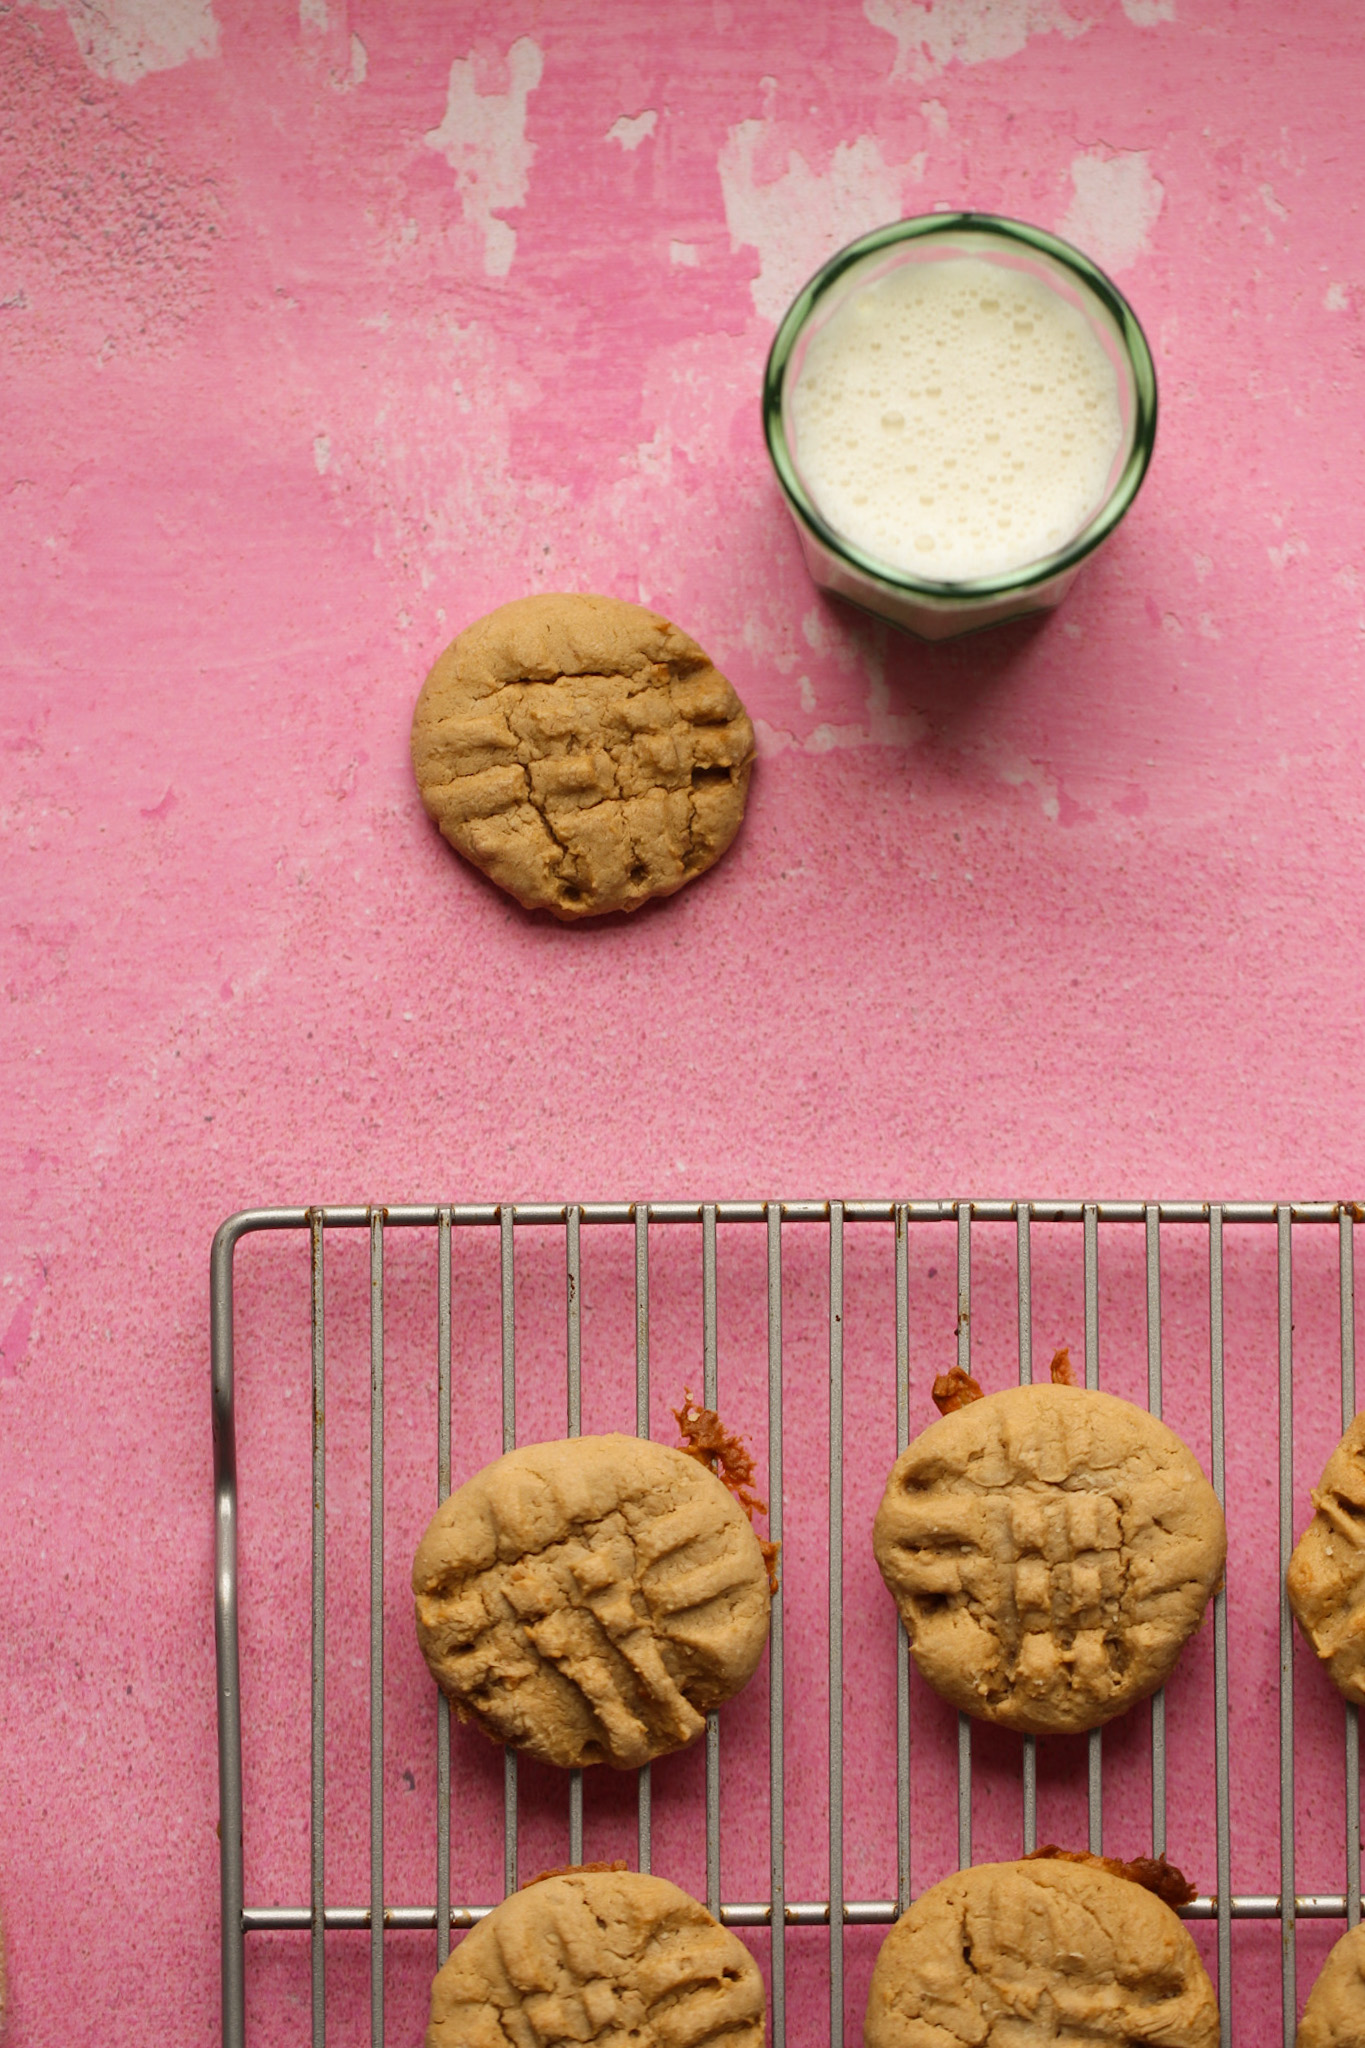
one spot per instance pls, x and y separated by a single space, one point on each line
1334 2016
1014 1952
1326 1576
589 1601
583 752
1050 1549
598 1956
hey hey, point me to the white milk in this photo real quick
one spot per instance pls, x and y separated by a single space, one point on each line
956 419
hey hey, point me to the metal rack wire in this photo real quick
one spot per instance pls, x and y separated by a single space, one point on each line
777 1912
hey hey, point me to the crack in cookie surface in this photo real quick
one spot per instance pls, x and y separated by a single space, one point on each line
1050 1550
598 1957
590 1601
583 752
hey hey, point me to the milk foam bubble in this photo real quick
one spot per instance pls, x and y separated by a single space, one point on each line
956 419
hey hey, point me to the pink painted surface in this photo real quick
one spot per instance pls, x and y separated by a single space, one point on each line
326 328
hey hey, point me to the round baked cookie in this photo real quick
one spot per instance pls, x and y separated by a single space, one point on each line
589 1601
1009 1953
583 752
603 1957
1334 2016
1049 1549
1326 1576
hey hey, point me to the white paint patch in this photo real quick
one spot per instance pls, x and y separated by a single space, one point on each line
935 114
322 453
1271 203
1336 298
1280 558
932 34
1115 207
360 61
1149 13
483 139
802 217
631 132
883 728
125 39
313 15
1017 771
685 254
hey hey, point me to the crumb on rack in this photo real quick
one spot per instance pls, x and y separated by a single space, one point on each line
1060 1368
954 1390
572 1870
725 1454
1153 1873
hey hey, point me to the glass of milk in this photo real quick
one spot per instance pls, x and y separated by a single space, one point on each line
959 409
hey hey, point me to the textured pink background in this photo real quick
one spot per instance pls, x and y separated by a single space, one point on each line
327 327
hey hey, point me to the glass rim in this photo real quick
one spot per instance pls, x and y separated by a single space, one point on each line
921 227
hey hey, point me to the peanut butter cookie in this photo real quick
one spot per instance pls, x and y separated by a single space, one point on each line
1334 2016
603 1957
1326 1576
583 752
1011 1953
589 1601
1049 1549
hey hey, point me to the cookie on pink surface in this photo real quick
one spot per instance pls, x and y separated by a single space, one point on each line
589 1601
1023 1952
1326 1576
583 752
1050 1550
603 1956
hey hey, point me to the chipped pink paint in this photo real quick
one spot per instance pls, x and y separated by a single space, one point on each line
328 327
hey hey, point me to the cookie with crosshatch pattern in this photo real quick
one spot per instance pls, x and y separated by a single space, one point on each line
1334 2016
600 1956
589 1601
1035 1952
583 752
1050 1550
1326 1577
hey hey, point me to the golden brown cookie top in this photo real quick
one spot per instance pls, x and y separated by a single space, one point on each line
1050 1549
605 1957
583 752
1334 2016
1326 1576
1039 1952
590 1600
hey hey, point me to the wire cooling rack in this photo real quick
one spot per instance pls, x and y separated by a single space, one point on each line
777 1912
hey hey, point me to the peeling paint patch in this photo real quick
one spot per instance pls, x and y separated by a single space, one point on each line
880 727
1336 298
360 61
14 1343
313 15
322 453
932 34
685 254
125 39
803 216
1149 13
1114 208
630 131
483 139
